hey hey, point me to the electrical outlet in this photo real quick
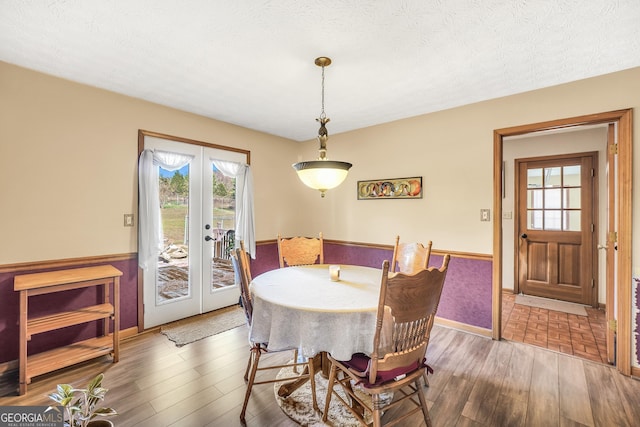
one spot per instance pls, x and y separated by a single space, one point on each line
128 220
485 215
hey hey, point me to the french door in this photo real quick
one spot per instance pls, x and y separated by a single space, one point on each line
193 273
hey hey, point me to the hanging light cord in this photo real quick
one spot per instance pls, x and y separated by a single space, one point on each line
322 113
323 134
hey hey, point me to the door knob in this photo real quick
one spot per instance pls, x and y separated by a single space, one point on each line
207 238
524 235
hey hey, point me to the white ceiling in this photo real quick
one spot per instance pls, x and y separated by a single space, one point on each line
251 62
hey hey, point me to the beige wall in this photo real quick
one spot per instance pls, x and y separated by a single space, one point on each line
68 166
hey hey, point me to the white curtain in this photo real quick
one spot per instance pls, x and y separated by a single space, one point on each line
150 227
245 223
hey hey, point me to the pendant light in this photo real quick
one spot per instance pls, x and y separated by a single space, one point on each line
322 174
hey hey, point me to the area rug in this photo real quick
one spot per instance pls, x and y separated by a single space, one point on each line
299 405
205 325
551 304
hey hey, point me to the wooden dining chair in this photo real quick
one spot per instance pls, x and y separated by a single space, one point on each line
257 348
406 311
410 257
246 260
300 250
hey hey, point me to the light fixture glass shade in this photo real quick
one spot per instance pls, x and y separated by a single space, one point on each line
322 174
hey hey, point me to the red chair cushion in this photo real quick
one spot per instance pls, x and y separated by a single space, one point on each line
360 364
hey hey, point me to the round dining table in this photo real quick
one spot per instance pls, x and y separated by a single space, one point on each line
302 308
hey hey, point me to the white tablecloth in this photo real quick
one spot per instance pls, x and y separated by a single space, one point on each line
300 307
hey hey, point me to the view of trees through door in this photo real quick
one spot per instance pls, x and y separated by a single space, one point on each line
174 212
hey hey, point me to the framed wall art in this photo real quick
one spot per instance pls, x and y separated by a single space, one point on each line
395 188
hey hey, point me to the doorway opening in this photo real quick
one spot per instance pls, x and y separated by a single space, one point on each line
619 209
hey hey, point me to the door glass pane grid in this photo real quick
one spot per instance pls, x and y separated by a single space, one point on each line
553 198
173 282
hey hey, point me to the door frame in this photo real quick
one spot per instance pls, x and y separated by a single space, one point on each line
141 136
622 206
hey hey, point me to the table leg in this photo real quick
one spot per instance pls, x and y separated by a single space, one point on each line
286 389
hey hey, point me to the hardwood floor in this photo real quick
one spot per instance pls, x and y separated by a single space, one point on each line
477 382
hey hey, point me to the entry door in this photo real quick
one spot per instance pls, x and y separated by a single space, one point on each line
192 275
556 227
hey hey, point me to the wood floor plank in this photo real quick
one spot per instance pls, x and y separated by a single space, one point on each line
566 422
216 408
517 380
543 409
447 409
186 391
510 411
629 392
606 402
574 396
485 392
447 362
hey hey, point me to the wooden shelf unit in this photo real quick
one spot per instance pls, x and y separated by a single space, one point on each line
30 285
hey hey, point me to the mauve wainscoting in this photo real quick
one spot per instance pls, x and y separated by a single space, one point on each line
466 297
53 303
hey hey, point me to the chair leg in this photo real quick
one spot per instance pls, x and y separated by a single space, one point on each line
426 379
252 378
375 402
330 382
249 362
423 404
295 360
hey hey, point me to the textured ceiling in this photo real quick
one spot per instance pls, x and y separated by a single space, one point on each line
250 62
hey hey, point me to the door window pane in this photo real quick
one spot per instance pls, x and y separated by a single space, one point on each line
571 198
571 176
534 220
571 221
534 199
173 260
552 199
552 220
223 218
552 177
534 178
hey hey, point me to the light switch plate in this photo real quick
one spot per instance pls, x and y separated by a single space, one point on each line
128 220
485 214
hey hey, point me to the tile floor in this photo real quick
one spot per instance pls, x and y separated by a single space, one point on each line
582 336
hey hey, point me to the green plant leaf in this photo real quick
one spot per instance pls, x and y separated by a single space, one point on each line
96 382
